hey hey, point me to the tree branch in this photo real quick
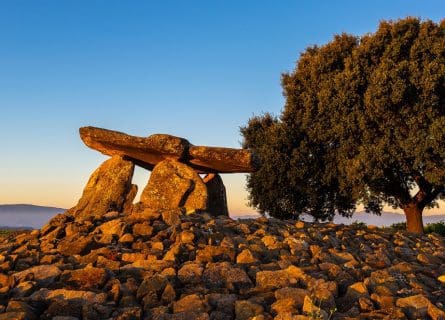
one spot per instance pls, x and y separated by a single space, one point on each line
396 187
431 196
423 185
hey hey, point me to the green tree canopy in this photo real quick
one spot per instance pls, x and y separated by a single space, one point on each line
363 123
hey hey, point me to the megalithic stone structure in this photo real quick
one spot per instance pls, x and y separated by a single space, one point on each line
149 151
175 181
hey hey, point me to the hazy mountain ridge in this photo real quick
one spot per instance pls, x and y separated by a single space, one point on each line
34 216
27 208
385 219
26 215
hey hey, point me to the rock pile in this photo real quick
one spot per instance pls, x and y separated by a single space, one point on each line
167 265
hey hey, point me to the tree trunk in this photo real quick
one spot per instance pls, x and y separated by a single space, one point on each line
414 222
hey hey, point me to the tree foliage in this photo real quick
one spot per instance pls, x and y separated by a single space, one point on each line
363 123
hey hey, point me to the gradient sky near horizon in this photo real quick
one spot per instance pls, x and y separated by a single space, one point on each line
196 69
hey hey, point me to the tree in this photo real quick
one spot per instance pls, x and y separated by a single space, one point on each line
363 123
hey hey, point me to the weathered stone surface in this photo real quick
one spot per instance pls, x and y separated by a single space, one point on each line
142 229
311 308
112 227
284 306
217 200
154 284
419 306
13 315
245 309
246 257
20 306
191 303
106 190
23 289
173 185
128 202
58 309
86 279
221 160
279 278
63 294
44 274
295 294
77 245
172 217
4 280
190 273
222 274
148 152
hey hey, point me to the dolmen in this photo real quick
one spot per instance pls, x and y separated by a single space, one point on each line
175 182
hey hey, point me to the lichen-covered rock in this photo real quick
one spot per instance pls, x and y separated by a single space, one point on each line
107 189
246 257
44 275
190 303
154 284
64 294
223 274
418 306
190 273
86 279
15 315
295 294
148 151
60 309
174 185
172 217
222 160
284 306
311 309
22 307
245 309
113 227
280 278
77 244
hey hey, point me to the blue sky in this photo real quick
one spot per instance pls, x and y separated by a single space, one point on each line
197 69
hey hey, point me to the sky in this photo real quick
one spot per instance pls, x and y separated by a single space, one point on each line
195 69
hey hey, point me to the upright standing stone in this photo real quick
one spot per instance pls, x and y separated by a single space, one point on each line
107 189
174 185
128 204
217 203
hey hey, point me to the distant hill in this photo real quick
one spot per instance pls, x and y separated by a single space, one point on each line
29 208
26 215
386 219
31 216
